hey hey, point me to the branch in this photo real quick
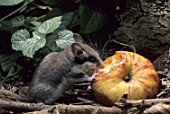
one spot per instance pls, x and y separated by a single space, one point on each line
17 106
158 109
118 107
87 109
8 93
146 102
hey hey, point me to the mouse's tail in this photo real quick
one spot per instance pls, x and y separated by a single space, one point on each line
25 99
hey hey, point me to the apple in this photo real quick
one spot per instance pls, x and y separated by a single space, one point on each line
125 73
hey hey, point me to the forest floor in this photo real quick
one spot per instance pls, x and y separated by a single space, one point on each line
79 98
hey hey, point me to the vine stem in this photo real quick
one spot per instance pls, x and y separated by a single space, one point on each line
15 11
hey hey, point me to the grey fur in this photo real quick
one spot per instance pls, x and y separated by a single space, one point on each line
59 70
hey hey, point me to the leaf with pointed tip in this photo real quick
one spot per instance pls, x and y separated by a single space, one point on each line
60 40
91 19
50 25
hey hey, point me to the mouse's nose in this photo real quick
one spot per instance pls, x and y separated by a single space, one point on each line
100 64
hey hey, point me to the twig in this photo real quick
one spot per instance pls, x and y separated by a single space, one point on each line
21 106
123 44
105 44
87 101
88 109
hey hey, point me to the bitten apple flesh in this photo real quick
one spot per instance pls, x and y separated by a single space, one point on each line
125 73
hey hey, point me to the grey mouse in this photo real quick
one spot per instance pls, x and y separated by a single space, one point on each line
60 70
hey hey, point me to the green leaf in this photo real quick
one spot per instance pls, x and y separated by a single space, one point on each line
91 20
14 70
7 61
65 39
50 25
21 41
60 40
50 2
19 38
51 44
10 2
53 13
66 18
32 23
9 66
18 21
7 26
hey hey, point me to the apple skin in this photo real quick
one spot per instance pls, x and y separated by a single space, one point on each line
125 73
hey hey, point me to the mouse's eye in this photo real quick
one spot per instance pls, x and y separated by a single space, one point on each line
92 59
79 52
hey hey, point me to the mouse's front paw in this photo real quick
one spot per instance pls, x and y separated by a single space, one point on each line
93 76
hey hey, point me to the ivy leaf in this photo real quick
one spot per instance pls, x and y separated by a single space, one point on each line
50 25
10 2
91 20
21 41
60 40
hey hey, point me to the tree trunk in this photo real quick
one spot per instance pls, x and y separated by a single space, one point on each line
145 25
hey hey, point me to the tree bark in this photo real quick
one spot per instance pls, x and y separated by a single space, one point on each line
145 25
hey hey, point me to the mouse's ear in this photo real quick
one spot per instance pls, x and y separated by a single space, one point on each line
78 38
78 51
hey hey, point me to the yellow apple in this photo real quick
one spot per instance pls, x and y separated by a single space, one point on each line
125 73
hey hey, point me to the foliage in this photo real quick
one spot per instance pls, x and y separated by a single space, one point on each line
9 65
50 25
43 27
60 40
10 2
21 41
91 20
